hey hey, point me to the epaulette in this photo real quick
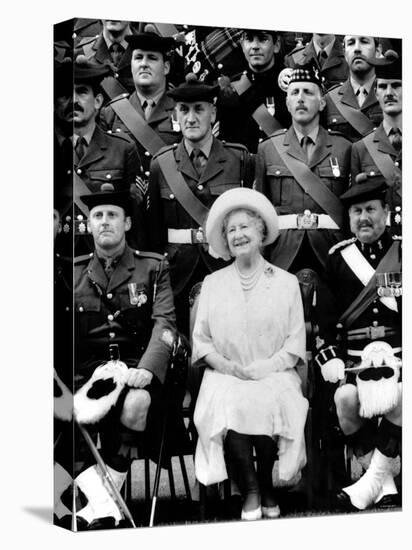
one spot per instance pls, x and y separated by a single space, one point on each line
87 40
164 149
335 86
117 135
120 96
280 132
84 258
334 132
234 145
341 244
152 255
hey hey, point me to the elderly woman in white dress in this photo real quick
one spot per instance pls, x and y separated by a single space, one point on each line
250 333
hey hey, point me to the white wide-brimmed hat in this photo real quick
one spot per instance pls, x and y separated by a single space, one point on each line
240 197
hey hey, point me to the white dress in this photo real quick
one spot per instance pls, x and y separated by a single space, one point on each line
269 323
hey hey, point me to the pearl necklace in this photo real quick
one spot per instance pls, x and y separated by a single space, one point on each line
247 282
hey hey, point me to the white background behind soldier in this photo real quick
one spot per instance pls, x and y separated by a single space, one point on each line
30 506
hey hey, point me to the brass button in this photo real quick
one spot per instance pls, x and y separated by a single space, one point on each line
375 310
147 154
118 129
80 217
334 120
112 335
109 296
375 323
110 317
277 172
109 176
171 196
373 256
81 309
200 187
371 173
147 173
79 171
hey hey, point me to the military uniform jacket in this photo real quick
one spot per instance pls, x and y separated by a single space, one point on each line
112 158
345 287
335 69
95 50
133 309
228 165
235 111
277 183
363 162
63 318
160 121
333 119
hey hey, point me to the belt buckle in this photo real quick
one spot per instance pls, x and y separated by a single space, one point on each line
198 236
377 332
307 220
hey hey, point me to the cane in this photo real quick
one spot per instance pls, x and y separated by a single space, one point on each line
106 475
175 348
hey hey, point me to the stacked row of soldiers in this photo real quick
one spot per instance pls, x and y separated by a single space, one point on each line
146 165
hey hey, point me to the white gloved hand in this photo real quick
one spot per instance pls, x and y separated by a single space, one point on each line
284 78
333 370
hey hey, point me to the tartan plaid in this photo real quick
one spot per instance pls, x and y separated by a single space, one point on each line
219 44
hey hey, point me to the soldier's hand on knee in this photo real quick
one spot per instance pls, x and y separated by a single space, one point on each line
333 370
138 378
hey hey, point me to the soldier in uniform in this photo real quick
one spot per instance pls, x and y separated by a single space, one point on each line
147 114
109 47
185 180
325 51
252 105
362 328
303 171
380 153
100 157
352 107
122 297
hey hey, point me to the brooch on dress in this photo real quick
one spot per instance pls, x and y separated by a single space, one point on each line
269 271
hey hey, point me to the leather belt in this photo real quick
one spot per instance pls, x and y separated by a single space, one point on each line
186 236
307 220
359 352
372 333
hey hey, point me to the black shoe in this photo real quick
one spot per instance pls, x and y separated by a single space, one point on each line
388 501
66 522
344 502
107 522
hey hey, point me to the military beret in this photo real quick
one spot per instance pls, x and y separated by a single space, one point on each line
150 41
260 33
306 73
85 71
365 188
194 90
108 196
389 66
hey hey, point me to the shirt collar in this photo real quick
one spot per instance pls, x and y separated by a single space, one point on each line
155 98
110 42
205 149
313 134
87 137
327 48
367 85
388 127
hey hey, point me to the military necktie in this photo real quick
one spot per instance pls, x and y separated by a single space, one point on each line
361 95
109 265
198 161
322 57
147 107
305 144
395 138
116 52
80 148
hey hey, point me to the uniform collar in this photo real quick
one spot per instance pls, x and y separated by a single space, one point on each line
388 127
205 149
87 137
327 49
367 85
110 42
313 134
376 249
154 99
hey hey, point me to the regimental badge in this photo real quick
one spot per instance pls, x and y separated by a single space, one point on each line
82 227
167 337
334 164
66 228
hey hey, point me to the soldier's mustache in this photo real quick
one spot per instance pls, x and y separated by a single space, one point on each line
77 107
